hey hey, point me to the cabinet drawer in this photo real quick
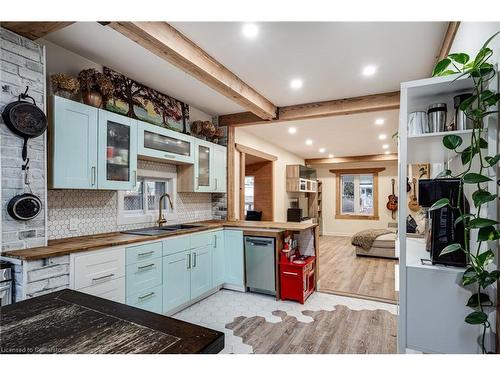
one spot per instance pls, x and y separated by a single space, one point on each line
176 245
140 253
97 267
143 275
202 239
113 290
149 299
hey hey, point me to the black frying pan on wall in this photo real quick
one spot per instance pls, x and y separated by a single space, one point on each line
25 119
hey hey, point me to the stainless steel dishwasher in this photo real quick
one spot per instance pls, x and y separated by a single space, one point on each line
260 264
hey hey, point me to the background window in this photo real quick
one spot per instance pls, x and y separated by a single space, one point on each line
249 193
357 193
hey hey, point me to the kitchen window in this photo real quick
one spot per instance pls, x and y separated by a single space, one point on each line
140 205
357 193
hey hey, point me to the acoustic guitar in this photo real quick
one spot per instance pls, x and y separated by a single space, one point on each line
413 203
392 204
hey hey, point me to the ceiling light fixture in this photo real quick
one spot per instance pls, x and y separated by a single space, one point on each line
385 147
292 130
379 121
382 136
296 83
250 30
330 156
369 70
309 142
322 150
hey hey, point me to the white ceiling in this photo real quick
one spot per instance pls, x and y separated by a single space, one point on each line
327 56
106 46
340 135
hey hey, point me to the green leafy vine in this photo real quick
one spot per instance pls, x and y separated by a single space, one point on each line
477 108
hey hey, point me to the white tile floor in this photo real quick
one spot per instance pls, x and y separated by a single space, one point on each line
222 307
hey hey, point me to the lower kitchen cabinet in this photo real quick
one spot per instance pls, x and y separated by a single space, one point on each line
234 258
218 259
176 280
201 271
149 299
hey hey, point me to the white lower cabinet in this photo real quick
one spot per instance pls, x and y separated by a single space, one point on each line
100 273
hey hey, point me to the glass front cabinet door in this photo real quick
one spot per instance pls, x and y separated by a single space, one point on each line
117 155
164 144
203 167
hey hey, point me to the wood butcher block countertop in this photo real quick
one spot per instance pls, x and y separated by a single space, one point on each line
70 245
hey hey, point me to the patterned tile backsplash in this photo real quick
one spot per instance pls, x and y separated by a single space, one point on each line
97 210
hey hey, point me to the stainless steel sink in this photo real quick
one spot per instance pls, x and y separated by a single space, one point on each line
156 231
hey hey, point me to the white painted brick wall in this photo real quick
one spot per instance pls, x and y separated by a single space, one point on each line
21 64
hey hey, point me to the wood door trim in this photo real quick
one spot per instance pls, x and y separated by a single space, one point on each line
339 173
242 186
252 151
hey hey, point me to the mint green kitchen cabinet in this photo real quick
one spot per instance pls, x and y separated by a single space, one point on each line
150 299
201 270
219 168
164 144
73 145
117 151
218 259
204 167
176 280
234 258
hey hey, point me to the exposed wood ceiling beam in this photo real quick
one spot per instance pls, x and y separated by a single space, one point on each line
448 39
357 170
359 104
172 46
34 30
352 159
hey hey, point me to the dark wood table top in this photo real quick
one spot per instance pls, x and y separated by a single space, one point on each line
68 321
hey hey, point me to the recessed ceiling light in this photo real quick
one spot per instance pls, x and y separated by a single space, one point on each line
330 156
379 121
382 136
309 142
250 30
387 152
369 70
385 147
322 150
296 83
292 130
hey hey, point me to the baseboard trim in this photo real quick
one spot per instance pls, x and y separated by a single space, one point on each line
338 234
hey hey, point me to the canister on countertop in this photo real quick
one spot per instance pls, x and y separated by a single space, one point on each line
437 117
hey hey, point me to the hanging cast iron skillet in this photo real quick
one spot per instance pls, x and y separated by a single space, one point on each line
25 119
25 206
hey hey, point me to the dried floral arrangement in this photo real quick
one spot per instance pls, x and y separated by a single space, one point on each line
203 128
64 82
92 80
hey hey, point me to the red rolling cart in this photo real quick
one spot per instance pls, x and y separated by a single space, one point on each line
297 280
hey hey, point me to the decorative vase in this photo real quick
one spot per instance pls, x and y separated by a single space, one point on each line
92 98
64 94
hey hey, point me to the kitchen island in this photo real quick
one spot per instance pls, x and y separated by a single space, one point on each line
71 322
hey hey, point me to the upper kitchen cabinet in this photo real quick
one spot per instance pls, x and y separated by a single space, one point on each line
73 145
117 152
208 174
155 142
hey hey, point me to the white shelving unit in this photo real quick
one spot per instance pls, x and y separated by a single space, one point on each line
432 300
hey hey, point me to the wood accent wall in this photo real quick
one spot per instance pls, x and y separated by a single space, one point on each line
263 188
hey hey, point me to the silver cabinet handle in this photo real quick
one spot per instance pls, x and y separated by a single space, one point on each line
194 260
146 253
188 261
92 176
168 156
216 184
151 294
103 277
135 178
215 241
290 273
147 266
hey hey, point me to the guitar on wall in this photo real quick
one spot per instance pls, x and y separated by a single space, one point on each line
413 203
392 204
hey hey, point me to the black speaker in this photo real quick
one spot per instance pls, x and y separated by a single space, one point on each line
294 214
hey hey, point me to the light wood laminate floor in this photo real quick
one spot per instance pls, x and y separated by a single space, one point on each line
342 272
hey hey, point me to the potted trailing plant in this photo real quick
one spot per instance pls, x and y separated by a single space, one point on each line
95 87
476 165
64 85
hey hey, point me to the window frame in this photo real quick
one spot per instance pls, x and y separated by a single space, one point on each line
146 216
338 192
